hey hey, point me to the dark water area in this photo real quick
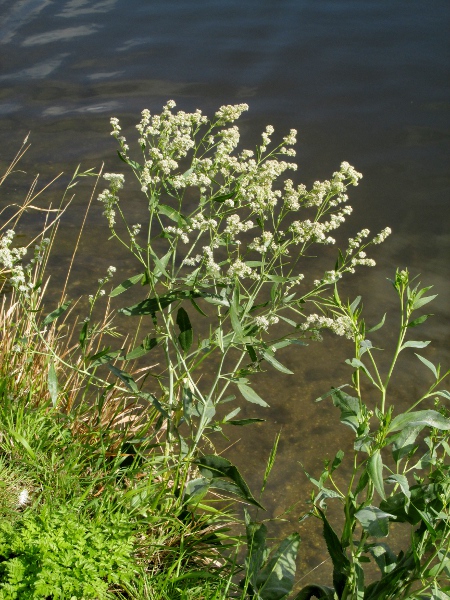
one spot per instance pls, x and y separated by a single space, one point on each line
367 82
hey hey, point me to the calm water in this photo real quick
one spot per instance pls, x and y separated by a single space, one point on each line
365 82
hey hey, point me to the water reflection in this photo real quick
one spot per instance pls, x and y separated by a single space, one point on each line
60 35
361 81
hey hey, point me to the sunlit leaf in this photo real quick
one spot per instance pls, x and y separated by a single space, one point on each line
125 285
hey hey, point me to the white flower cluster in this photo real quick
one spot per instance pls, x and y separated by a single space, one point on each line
235 225
329 278
378 239
179 232
264 243
230 113
9 257
109 196
354 243
361 259
264 322
342 326
240 270
292 197
20 277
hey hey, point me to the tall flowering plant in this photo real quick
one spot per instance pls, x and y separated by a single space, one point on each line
225 235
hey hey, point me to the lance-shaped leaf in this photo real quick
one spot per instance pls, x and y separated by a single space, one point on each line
404 441
52 382
341 564
148 343
125 285
349 407
196 489
125 377
276 364
250 395
153 305
186 336
375 470
57 312
103 357
383 555
321 592
276 579
215 467
430 418
256 548
374 521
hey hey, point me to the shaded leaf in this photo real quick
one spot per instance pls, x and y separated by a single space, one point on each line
349 407
242 422
418 321
153 305
374 521
147 344
276 579
125 377
341 564
186 336
196 489
320 592
57 312
214 467
419 302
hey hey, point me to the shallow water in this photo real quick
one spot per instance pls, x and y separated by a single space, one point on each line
365 82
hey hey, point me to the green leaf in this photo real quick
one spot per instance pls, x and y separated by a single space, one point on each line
418 321
161 264
197 307
374 521
403 442
276 364
196 489
341 564
402 481
428 364
256 548
430 418
414 345
125 377
170 212
383 555
379 326
186 336
349 407
321 592
52 382
224 197
125 285
57 312
419 302
243 422
250 395
357 364
337 461
215 468
148 344
153 305
443 393
375 470
353 306
103 357
276 580
133 164
83 334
